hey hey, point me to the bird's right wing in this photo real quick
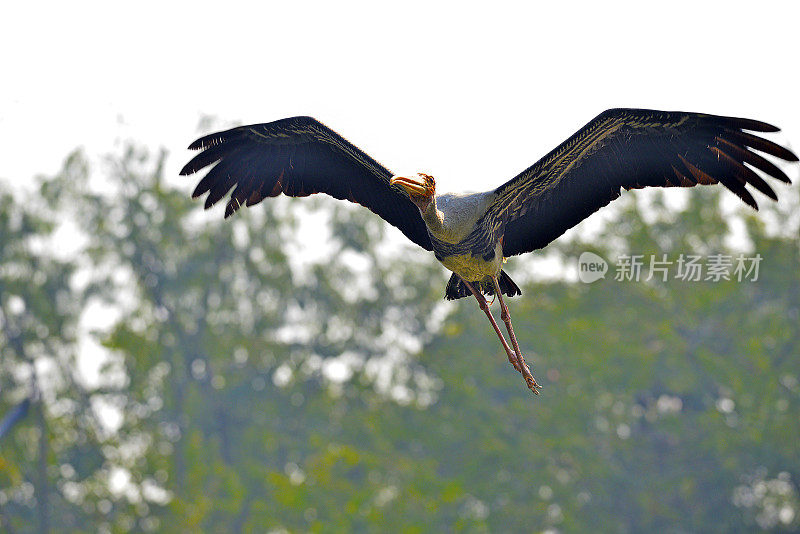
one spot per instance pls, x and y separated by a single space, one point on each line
629 149
299 156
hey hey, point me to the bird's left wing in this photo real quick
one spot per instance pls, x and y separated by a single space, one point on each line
299 156
630 148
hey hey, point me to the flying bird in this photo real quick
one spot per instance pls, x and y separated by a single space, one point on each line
471 234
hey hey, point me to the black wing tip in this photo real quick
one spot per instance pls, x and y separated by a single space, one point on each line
751 125
771 194
200 143
187 170
749 200
768 147
207 141
198 191
231 207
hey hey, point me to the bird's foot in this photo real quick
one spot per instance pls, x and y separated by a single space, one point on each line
533 385
523 368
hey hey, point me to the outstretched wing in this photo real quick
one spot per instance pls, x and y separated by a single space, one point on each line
299 156
630 148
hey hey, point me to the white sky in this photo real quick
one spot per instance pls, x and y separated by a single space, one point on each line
469 93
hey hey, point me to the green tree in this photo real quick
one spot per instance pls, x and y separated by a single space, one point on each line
51 457
219 340
250 388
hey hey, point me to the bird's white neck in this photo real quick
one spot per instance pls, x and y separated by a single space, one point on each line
433 218
440 223
451 217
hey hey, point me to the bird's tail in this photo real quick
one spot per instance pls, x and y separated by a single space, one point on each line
456 289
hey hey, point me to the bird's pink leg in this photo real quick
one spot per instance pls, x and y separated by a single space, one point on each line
485 307
506 317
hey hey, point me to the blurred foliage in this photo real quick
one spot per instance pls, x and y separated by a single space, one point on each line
247 386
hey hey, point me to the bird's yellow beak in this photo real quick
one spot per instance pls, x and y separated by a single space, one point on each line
413 185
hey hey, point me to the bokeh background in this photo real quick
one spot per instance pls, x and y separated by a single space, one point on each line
295 368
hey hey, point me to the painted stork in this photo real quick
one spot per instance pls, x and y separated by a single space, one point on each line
470 234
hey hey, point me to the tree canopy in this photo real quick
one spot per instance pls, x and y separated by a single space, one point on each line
248 382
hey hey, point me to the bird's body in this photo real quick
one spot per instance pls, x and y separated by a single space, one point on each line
470 234
464 246
470 266
458 239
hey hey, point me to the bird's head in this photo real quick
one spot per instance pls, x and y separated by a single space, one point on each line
420 188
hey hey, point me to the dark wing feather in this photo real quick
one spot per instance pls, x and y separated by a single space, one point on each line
630 148
299 156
